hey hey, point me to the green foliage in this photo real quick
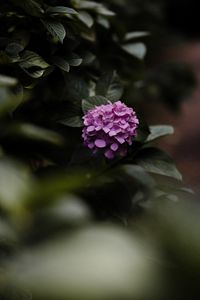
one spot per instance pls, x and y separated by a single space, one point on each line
57 62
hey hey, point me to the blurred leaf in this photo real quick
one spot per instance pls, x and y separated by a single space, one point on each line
103 22
47 190
61 10
11 94
13 49
135 34
72 121
32 7
7 81
61 63
86 18
143 132
136 49
139 174
119 267
178 227
15 185
156 161
69 210
158 131
94 6
36 133
102 10
74 60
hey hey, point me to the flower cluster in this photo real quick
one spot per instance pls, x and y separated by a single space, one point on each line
110 127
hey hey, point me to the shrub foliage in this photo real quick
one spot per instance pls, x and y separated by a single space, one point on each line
57 60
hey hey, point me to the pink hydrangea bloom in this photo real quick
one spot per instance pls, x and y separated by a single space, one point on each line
111 128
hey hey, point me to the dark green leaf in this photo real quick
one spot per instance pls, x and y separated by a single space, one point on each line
14 185
56 29
157 161
31 59
102 10
36 133
103 22
91 102
6 81
11 94
74 60
109 86
84 4
61 63
158 131
13 49
135 35
139 174
136 49
76 88
30 6
72 121
86 18
61 10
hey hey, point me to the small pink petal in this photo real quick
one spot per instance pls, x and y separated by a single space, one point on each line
112 133
114 147
91 145
120 140
100 143
90 128
109 154
106 129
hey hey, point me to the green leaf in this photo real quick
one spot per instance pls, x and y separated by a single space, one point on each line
33 64
139 174
31 59
71 114
66 267
91 102
157 161
136 49
74 60
72 121
103 22
6 81
14 185
56 29
13 49
84 4
104 11
135 35
11 94
142 131
48 189
30 6
158 131
36 133
86 18
61 10
76 88
94 6
109 86
61 63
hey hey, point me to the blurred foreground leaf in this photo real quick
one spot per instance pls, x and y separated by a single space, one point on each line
95 263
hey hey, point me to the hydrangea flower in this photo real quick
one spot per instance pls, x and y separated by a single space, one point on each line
111 128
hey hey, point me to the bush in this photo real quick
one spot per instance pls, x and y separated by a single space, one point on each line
57 62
